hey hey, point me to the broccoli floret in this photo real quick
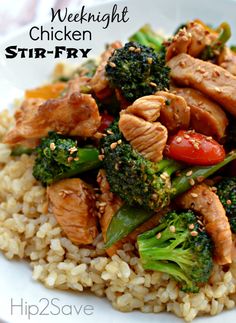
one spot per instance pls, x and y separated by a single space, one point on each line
137 70
135 179
226 190
59 157
178 247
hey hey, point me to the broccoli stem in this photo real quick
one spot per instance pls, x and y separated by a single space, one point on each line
129 218
87 160
168 268
20 150
139 37
147 37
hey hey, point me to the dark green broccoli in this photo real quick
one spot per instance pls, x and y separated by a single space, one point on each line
178 247
226 190
59 157
135 179
137 70
148 37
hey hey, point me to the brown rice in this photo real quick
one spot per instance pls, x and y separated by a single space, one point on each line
28 231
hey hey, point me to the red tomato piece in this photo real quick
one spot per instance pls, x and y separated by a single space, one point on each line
194 148
107 119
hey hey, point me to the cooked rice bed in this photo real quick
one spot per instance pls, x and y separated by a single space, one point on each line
28 231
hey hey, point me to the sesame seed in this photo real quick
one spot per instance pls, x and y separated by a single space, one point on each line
228 202
52 146
218 89
154 196
149 60
62 194
72 150
112 64
191 226
189 173
192 182
131 48
194 233
200 222
101 157
137 50
153 84
119 141
113 145
110 132
158 236
179 139
209 138
76 158
186 136
172 229
194 195
102 204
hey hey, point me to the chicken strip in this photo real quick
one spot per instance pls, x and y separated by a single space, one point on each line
138 127
75 115
206 116
190 40
99 82
175 113
72 201
210 79
206 203
227 60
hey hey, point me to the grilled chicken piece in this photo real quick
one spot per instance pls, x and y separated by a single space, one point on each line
206 116
147 107
138 127
175 114
75 115
110 204
190 40
99 82
227 60
204 201
72 201
210 79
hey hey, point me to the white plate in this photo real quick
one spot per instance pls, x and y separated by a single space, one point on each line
16 75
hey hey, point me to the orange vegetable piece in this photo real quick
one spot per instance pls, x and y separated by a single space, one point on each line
49 91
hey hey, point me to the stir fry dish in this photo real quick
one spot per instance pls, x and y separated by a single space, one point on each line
120 175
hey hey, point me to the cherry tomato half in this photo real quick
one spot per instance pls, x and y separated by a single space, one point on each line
107 119
195 149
